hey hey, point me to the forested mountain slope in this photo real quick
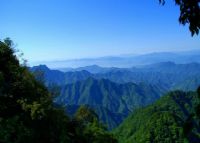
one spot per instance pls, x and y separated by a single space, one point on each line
114 98
27 112
117 92
170 119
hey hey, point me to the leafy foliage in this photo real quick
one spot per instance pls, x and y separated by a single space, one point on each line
189 13
164 121
27 113
92 130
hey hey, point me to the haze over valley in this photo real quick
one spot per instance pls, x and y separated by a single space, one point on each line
125 61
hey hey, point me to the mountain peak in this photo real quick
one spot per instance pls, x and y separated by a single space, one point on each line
40 67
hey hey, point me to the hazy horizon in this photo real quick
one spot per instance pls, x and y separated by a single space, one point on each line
47 30
125 61
117 55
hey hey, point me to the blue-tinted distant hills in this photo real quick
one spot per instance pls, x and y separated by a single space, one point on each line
58 77
127 61
92 69
167 75
115 92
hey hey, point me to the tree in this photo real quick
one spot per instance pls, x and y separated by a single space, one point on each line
189 14
27 112
92 130
85 114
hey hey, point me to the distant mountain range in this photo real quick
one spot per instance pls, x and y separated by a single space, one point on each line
166 74
116 92
127 61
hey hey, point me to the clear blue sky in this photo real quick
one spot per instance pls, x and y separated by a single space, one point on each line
68 29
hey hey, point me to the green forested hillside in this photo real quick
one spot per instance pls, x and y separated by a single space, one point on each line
171 119
109 118
109 91
112 101
27 113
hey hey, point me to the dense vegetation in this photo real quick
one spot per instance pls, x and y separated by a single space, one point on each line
115 100
111 92
173 118
27 113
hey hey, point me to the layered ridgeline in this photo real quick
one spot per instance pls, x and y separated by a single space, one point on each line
57 77
112 92
167 75
171 119
112 101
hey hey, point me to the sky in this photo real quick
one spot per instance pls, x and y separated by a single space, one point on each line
47 30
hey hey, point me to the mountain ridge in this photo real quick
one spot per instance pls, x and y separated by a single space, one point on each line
164 120
116 98
117 85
